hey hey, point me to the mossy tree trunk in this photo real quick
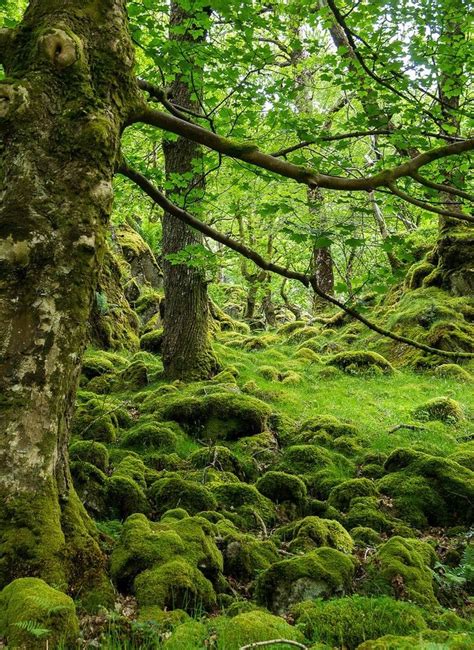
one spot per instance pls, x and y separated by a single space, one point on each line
69 81
187 351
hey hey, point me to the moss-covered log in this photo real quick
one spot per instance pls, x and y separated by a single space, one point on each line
64 102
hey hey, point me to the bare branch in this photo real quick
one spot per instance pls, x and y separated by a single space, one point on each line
255 257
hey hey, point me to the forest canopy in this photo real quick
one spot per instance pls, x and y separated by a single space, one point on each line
236 324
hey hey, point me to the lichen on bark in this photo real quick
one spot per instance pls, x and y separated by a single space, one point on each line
68 89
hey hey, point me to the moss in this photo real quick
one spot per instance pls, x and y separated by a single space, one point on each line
223 459
307 354
323 572
341 496
290 377
313 532
428 489
328 424
366 511
151 436
443 409
90 484
152 341
221 415
124 496
402 568
269 372
247 501
94 421
289 328
358 362
423 641
347 446
252 627
245 556
464 457
31 601
135 375
302 459
173 492
303 334
100 362
90 452
262 447
175 585
348 622
365 536
132 466
280 487
453 371
190 636
417 273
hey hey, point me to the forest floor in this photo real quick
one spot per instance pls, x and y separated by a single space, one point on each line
295 496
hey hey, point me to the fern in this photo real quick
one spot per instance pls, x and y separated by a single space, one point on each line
33 628
102 303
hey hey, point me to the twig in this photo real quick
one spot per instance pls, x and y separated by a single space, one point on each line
260 644
412 427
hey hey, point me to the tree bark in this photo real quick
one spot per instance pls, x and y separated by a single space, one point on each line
64 104
187 351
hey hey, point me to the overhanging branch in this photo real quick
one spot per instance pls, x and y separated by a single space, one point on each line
250 153
255 257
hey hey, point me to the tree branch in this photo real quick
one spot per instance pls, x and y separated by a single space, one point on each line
255 257
448 189
427 206
250 153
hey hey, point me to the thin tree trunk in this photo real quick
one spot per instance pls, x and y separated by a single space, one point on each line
187 351
60 129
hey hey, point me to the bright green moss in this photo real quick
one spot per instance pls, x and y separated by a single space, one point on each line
323 572
280 487
445 409
151 436
32 600
453 371
93 421
289 328
313 532
124 497
152 341
307 354
90 485
341 496
348 622
252 627
429 489
417 273
366 511
99 362
402 568
246 501
269 372
175 585
132 466
135 375
302 459
327 424
303 334
90 452
365 536
425 641
245 556
223 415
359 362
223 459
188 636
167 493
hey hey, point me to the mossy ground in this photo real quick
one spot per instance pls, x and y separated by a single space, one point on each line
363 503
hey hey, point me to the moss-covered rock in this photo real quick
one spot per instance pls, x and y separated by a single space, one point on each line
144 544
365 536
175 585
252 627
348 622
359 362
135 375
280 487
151 436
303 459
32 612
92 452
428 640
246 501
402 568
341 496
269 372
245 556
173 492
445 409
223 459
428 489
124 496
323 572
152 341
455 372
313 532
94 419
222 415
90 484
327 424
190 635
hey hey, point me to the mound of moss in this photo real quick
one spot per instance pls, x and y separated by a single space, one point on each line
32 612
252 627
313 532
222 415
173 492
151 436
444 409
323 572
280 487
348 622
359 362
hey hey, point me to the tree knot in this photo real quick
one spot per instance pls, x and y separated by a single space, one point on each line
61 49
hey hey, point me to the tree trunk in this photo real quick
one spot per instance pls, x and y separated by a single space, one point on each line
63 107
322 266
187 351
